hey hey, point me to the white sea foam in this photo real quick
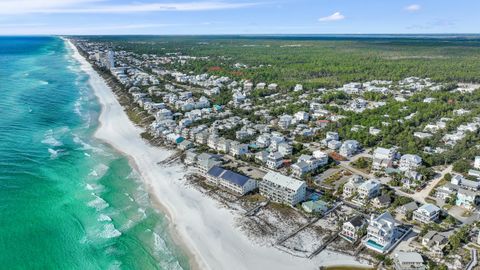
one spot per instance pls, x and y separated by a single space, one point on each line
103 217
42 82
143 211
159 244
99 171
116 265
109 231
86 146
49 139
129 197
98 203
53 153
93 187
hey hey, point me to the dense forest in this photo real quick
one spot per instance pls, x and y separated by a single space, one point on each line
317 61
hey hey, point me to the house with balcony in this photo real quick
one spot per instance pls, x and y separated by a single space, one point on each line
306 164
467 198
351 229
369 189
351 187
231 181
383 158
409 162
274 160
282 189
238 149
427 213
408 261
382 232
349 148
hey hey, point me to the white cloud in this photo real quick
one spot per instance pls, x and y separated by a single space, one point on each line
337 16
101 6
413 8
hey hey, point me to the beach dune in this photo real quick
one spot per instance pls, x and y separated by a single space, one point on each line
205 230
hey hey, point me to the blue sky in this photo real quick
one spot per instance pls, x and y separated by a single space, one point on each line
23 17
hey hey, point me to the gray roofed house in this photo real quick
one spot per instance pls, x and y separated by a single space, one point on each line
382 201
409 207
351 228
206 161
408 261
426 213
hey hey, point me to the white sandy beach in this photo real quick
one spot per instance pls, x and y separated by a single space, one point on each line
205 228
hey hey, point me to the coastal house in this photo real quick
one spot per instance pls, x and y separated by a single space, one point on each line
213 141
382 201
224 145
407 208
263 140
409 162
301 117
476 163
238 149
382 232
206 161
369 189
185 145
315 206
461 181
408 261
285 121
383 158
350 188
321 156
282 189
446 191
306 164
285 149
190 157
349 148
351 230
202 137
467 198
274 160
231 181
435 242
427 213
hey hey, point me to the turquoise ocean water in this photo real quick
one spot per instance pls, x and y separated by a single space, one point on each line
67 201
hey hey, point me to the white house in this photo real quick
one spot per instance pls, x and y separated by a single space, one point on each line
369 189
301 116
285 149
274 160
351 228
409 162
383 157
426 213
408 261
282 189
476 164
349 148
305 164
285 121
238 149
382 232
352 185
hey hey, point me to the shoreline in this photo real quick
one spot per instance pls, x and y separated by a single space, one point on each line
176 238
203 230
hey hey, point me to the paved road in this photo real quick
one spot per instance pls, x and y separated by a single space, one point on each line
424 193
